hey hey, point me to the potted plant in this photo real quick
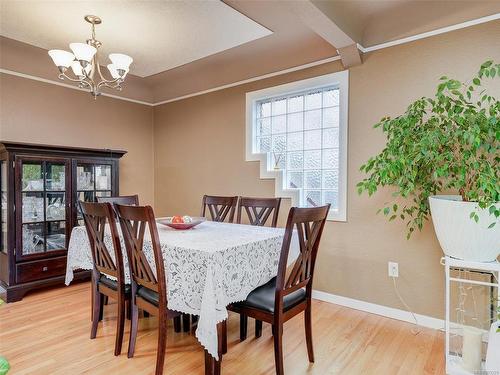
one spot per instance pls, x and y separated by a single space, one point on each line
447 143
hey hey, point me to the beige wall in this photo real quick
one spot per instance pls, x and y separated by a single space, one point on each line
37 112
200 148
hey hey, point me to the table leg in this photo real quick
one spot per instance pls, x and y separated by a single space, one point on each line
213 367
209 363
186 322
223 337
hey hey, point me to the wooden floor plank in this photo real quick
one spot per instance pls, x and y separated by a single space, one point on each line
48 333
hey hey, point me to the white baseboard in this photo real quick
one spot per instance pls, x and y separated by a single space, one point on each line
389 312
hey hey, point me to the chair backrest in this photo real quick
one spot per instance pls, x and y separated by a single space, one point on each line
130 200
309 223
219 208
259 210
96 216
134 220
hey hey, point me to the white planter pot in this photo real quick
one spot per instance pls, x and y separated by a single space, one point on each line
461 237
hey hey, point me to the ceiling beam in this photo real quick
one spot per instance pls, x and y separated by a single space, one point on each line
322 25
350 56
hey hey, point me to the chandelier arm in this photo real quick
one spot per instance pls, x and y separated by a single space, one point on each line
87 75
89 84
98 66
65 76
115 84
105 81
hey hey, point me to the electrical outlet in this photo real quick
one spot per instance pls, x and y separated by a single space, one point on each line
393 269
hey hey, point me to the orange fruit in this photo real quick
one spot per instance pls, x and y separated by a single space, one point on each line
177 220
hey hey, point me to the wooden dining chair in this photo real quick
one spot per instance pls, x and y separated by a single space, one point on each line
148 292
220 208
130 200
96 216
258 212
133 200
289 293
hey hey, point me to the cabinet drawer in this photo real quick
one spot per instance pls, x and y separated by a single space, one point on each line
40 269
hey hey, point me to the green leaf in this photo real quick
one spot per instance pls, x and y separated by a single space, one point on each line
491 225
486 64
476 81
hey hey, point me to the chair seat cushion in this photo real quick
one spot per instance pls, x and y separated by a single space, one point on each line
262 298
113 284
149 295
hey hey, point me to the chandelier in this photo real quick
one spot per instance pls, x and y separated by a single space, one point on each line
85 64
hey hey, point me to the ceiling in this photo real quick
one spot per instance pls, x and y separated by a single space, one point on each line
159 35
186 46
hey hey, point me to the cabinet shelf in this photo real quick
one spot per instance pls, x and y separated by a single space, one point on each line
43 221
44 191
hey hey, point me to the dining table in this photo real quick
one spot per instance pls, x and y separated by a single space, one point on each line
207 268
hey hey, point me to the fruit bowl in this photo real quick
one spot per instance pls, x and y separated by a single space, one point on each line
181 223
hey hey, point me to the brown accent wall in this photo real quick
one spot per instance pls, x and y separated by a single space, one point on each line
200 148
37 112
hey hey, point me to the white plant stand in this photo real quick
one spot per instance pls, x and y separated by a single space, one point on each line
454 362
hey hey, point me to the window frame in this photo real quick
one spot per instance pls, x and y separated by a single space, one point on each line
339 80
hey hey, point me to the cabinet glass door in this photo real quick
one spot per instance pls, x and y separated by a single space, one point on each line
44 209
92 180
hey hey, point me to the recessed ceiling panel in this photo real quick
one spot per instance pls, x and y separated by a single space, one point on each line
159 35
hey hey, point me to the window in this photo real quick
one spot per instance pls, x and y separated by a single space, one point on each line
301 128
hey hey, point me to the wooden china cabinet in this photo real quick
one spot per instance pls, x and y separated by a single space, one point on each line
40 187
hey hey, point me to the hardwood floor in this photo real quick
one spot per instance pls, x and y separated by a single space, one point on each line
48 333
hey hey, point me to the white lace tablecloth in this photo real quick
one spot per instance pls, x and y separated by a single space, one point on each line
207 267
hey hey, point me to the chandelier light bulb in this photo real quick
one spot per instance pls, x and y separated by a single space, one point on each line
61 58
121 61
115 73
83 52
78 70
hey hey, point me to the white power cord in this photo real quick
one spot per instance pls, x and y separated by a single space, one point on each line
415 332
